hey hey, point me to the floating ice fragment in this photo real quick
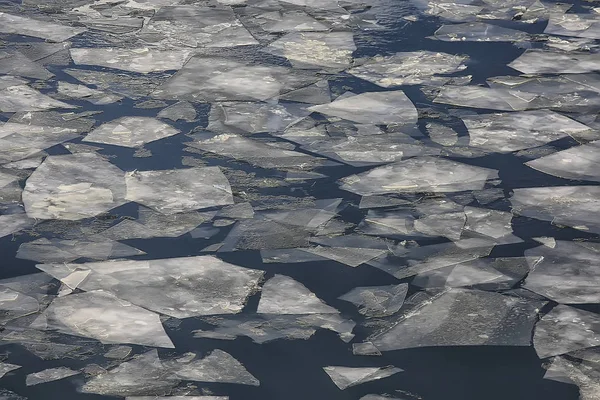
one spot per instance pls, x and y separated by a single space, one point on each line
23 98
536 61
345 377
479 32
141 60
283 295
566 273
15 63
73 187
44 250
566 329
486 98
459 317
377 301
177 398
130 85
289 21
94 96
218 366
15 24
131 132
180 287
419 174
580 372
5 368
49 375
377 108
350 256
102 316
410 68
179 190
182 110
118 352
579 162
578 25
13 223
14 304
365 349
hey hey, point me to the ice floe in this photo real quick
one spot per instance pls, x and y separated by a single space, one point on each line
19 25
284 295
142 60
49 375
131 132
377 301
345 377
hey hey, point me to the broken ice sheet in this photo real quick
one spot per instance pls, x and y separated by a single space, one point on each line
351 256
536 61
179 190
19 25
488 98
289 21
479 32
584 374
462 318
178 287
145 374
283 295
73 187
211 79
142 60
49 375
131 132
196 26
376 108
410 68
329 50
578 25
54 250
507 132
255 152
13 223
218 366
262 328
14 305
94 96
101 315
62 121
23 98
419 174
5 368
566 329
578 163
377 301
15 63
181 110
566 273
345 377
574 206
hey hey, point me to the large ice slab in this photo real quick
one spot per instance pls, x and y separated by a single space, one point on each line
131 132
576 25
73 187
579 369
54 250
142 60
535 61
179 190
5 368
566 329
419 174
179 287
410 68
23 98
283 295
19 25
462 318
579 163
345 377
103 316
377 108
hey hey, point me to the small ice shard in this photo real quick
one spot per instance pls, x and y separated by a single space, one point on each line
218 366
179 287
237 211
479 32
73 187
179 190
55 250
264 328
117 25
14 24
381 202
283 295
574 206
181 110
23 98
410 68
130 85
566 329
83 92
55 121
535 61
583 373
377 108
442 134
289 21
143 375
578 163
315 49
377 301
256 152
378 397
365 349
419 174
488 98
261 234
142 60
8 395
131 132
13 223
212 79
316 93
5 368
14 304
180 26
351 256
345 377
507 132
491 223
577 25
288 256
546 241
102 316
49 375
463 318
118 352
567 273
